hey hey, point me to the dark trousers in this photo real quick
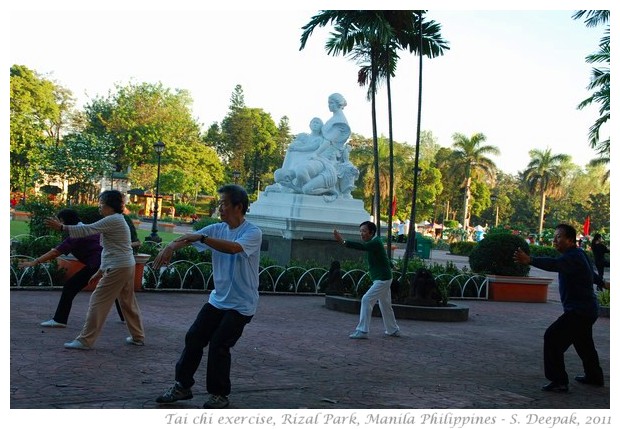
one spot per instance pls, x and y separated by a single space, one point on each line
72 287
220 329
575 329
600 267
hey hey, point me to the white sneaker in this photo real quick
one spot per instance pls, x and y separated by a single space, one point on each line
52 324
130 340
76 344
396 333
359 335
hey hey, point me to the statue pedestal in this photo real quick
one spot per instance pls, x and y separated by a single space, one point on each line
300 227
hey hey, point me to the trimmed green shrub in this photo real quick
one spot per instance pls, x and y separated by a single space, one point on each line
493 255
462 248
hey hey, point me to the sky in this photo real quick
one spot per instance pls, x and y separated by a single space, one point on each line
514 75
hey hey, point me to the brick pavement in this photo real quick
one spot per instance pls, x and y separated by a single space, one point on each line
296 354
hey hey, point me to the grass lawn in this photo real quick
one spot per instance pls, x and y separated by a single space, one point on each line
18 227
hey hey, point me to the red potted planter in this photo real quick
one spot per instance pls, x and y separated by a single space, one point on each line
518 289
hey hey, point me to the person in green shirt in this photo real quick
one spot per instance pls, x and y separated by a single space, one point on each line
380 272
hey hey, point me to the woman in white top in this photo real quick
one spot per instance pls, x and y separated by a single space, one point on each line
115 275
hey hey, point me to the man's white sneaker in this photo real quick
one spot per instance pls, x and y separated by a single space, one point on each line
53 324
130 340
76 344
396 333
359 335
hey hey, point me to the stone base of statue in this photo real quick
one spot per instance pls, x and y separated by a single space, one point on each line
299 227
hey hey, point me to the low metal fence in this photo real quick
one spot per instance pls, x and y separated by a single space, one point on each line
187 275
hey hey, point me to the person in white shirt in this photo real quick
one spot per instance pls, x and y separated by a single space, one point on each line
115 275
235 245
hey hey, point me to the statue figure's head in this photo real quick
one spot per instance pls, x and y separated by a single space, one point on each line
337 100
316 124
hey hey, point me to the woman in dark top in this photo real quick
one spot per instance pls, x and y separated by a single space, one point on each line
87 250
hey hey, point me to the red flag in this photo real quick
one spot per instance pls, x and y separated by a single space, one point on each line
586 226
394 205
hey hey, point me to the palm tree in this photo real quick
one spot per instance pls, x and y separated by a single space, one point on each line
543 175
599 83
373 38
470 159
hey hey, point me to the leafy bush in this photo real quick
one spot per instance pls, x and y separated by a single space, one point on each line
133 208
184 210
548 251
35 246
441 244
462 248
202 222
38 275
451 224
87 213
40 209
493 255
603 298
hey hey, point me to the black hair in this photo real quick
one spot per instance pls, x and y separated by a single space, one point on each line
597 236
370 225
569 231
237 195
113 199
68 216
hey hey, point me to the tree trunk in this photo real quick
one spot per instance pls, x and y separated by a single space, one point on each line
466 200
375 145
391 182
541 216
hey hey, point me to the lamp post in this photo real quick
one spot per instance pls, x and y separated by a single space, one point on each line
159 148
494 200
236 174
26 167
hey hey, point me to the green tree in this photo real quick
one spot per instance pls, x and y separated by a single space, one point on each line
37 108
471 160
250 144
138 115
544 175
80 160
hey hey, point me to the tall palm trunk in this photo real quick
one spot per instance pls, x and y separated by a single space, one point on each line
466 198
375 141
391 143
411 236
541 215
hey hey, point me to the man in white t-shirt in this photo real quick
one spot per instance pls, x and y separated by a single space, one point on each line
235 246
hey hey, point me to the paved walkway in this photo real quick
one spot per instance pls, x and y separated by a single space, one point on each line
296 354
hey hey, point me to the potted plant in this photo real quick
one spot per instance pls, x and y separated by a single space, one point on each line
507 280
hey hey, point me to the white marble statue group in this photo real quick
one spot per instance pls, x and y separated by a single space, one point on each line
317 163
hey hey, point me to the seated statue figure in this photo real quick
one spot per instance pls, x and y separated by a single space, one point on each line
298 152
318 163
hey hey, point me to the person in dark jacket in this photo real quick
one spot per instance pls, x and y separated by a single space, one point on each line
574 327
598 250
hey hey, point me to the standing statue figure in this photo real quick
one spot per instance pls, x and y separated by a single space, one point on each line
325 169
